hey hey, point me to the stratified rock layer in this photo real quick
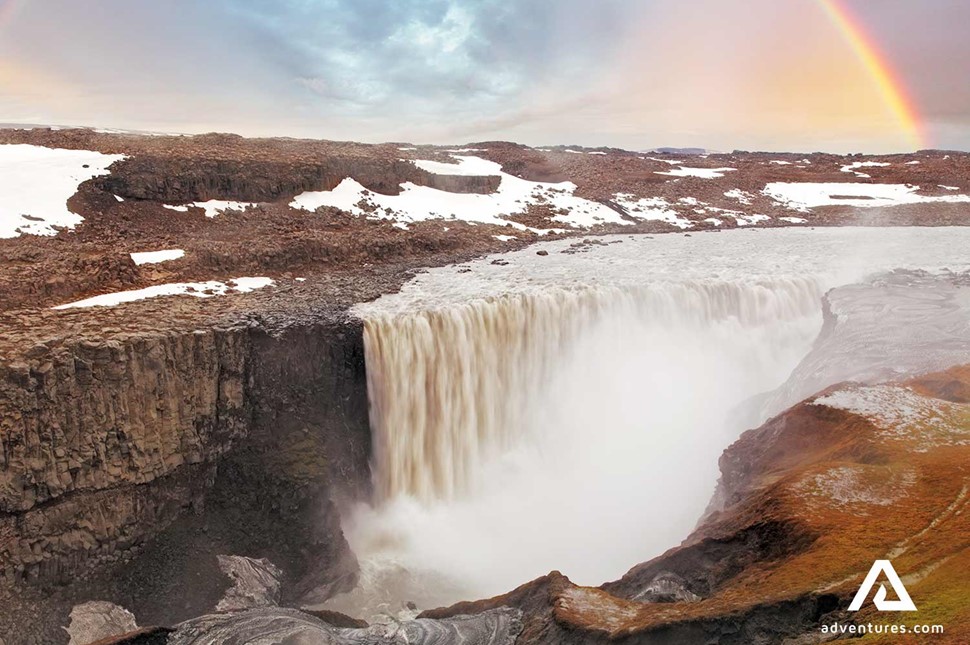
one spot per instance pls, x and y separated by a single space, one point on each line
244 434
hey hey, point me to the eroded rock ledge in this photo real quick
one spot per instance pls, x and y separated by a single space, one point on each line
248 433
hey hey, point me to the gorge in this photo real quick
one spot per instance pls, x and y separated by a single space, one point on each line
597 382
410 415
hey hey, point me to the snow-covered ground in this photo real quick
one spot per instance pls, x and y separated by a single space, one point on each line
212 207
651 208
856 486
852 167
804 195
703 173
36 182
742 196
197 289
419 203
901 413
154 257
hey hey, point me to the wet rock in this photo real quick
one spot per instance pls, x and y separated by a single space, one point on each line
667 587
336 618
255 583
274 625
93 621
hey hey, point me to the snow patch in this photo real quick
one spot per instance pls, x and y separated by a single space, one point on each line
419 203
794 220
196 289
852 486
215 206
36 182
902 413
153 257
595 604
800 196
862 164
651 209
746 220
212 207
742 196
703 173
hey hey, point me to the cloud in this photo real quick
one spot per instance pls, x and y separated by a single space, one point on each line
633 73
432 56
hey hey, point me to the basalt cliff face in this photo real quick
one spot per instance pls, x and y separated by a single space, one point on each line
247 435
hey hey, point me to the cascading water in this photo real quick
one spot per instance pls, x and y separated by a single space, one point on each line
567 412
570 428
452 389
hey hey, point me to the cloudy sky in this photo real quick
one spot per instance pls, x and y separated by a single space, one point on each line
720 74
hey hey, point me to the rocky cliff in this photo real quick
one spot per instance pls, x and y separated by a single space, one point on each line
247 432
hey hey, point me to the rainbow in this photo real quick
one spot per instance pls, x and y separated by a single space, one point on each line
875 63
890 87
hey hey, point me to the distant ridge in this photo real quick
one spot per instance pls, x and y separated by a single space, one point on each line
678 151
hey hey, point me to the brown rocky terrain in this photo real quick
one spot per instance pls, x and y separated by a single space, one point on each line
139 442
277 240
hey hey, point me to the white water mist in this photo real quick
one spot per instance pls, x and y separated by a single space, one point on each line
570 429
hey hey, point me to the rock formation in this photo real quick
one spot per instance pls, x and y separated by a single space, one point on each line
139 444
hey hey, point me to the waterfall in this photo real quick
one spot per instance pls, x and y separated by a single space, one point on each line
452 388
556 427
567 411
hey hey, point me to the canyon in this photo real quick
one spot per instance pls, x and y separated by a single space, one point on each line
397 440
